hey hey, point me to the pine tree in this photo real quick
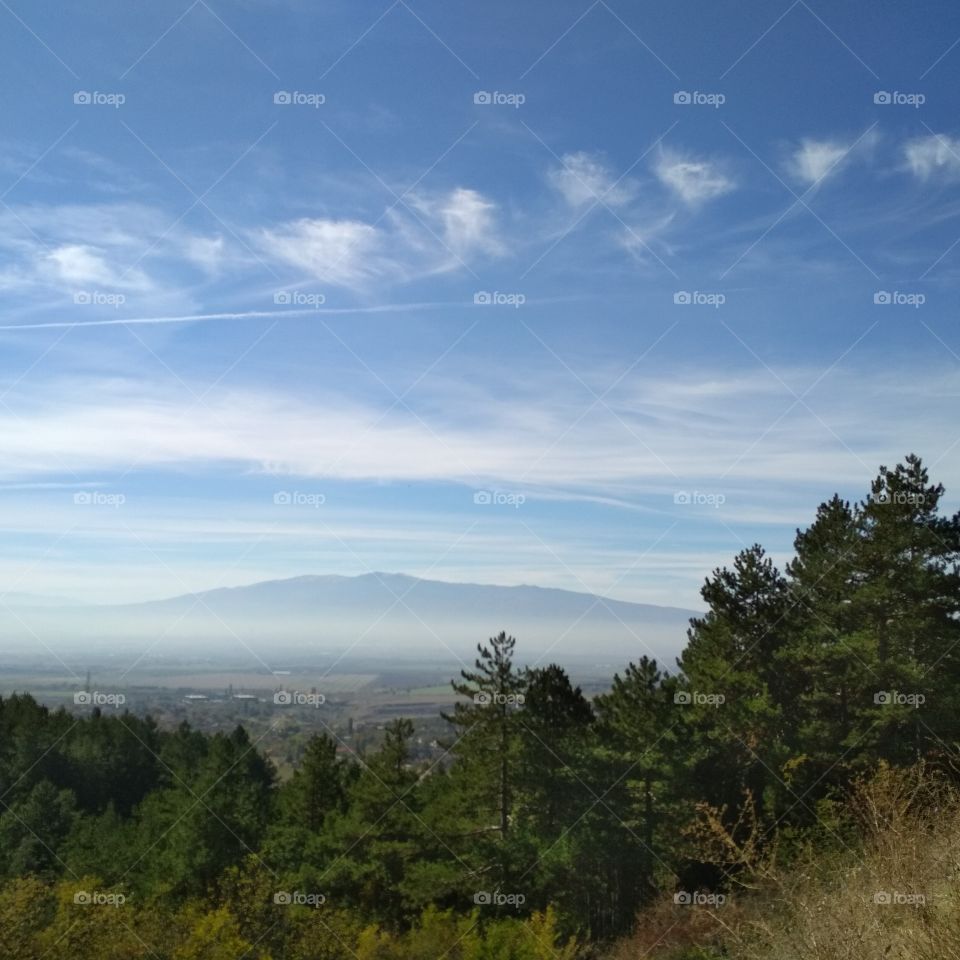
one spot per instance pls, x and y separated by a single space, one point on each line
554 728
829 658
733 685
318 785
487 726
641 728
381 834
907 604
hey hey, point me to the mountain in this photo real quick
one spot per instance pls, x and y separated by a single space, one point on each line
375 613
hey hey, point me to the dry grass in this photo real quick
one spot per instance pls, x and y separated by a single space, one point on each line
895 896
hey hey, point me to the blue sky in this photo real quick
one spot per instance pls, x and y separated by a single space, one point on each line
247 249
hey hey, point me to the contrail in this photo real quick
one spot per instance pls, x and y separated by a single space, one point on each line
247 315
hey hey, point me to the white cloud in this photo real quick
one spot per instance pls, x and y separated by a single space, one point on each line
696 424
129 248
694 181
707 428
469 224
933 156
584 179
80 265
206 252
814 160
447 229
340 252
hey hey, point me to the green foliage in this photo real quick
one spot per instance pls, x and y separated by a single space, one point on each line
549 816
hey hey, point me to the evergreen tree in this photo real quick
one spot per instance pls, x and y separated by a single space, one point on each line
641 729
381 834
487 726
554 729
907 603
733 685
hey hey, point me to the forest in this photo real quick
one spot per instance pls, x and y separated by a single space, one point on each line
555 826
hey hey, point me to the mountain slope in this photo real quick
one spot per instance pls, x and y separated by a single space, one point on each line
392 613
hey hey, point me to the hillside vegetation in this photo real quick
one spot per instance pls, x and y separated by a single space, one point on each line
753 803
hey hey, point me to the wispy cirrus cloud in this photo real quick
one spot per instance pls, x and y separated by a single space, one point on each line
698 424
347 253
79 265
467 221
814 160
693 180
584 178
934 157
438 233
55 250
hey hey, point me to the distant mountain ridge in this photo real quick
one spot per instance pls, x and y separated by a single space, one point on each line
314 590
393 611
